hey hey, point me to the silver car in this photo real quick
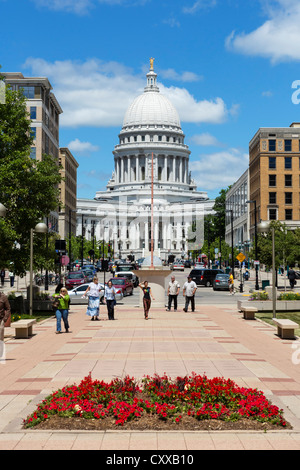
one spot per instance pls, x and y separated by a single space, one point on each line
221 282
77 293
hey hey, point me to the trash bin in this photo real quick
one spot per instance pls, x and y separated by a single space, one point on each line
227 270
264 284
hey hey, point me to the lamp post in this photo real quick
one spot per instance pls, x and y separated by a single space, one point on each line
232 250
265 227
255 235
39 228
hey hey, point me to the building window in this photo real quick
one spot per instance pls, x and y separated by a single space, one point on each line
288 198
135 138
272 163
33 132
272 145
272 198
33 153
272 214
159 173
272 180
143 138
288 214
143 173
159 138
288 163
32 112
288 180
288 145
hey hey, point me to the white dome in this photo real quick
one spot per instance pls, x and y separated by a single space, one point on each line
151 108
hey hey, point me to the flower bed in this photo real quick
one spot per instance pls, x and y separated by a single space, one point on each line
158 402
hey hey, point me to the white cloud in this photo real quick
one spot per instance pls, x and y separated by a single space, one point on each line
191 110
84 148
82 7
205 140
277 38
96 93
199 5
171 74
219 169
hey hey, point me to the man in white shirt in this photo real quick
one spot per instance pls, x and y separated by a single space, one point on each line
173 291
189 290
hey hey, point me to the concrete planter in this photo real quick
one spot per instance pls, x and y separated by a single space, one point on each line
267 305
39 305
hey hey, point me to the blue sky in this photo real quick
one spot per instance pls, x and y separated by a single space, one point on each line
227 65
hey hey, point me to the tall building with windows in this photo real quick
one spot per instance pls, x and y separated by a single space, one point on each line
237 213
150 146
44 111
68 193
274 173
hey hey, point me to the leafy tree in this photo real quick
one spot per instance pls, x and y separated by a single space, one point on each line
287 246
28 188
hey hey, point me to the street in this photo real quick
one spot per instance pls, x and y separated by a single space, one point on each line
204 295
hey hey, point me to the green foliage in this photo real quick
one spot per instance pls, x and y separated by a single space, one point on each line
287 246
289 296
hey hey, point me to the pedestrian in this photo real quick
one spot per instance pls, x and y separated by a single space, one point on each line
147 298
189 290
231 284
4 313
292 278
173 291
110 299
93 293
62 311
11 278
2 276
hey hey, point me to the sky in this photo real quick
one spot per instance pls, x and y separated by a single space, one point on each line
228 66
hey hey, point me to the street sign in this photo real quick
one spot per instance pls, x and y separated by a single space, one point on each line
241 257
65 260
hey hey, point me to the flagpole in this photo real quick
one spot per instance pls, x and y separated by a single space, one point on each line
152 214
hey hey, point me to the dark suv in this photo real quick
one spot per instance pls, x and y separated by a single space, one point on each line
204 277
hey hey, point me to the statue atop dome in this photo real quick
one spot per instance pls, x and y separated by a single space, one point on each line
151 63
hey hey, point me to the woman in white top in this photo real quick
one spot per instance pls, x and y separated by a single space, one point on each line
110 299
93 292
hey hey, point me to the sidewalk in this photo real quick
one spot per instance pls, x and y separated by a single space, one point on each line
215 341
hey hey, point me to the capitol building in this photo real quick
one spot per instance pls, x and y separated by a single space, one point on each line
151 170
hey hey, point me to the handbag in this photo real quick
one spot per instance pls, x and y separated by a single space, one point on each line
55 304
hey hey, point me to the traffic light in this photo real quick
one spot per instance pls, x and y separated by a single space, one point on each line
60 247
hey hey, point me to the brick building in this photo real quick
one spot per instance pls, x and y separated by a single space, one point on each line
274 175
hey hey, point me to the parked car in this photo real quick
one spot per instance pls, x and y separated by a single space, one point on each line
124 284
75 278
89 267
89 274
77 293
221 282
187 263
178 266
204 277
126 271
199 265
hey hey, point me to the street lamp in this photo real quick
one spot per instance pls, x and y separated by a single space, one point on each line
256 251
39 228
265 227
232 249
